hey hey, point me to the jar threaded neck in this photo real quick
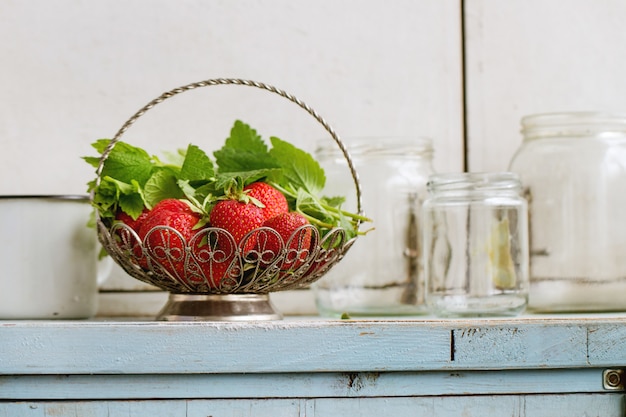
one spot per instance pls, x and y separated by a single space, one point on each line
573 124
474 182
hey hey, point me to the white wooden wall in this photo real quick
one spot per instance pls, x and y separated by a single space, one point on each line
534 56
74 70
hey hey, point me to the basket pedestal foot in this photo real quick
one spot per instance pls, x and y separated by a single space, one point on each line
226 307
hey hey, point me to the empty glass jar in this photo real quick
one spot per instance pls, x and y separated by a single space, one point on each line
573 167
476 244
382 274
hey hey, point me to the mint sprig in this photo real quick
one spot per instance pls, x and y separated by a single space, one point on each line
132 180
300 169
244 150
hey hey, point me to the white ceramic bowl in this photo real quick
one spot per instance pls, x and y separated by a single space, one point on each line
48 258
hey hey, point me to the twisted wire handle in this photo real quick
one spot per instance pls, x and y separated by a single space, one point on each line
248 83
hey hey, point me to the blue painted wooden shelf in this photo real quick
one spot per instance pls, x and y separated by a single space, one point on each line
313 366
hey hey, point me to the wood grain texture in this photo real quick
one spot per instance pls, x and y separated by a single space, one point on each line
524 366
521 346
536 56
608 405
300 385
607 344
308 345
150 347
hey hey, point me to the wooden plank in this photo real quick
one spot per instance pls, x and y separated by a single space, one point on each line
282 346
607 345
535 56
584 405
298 385
574 405
171 408
521 345
308 345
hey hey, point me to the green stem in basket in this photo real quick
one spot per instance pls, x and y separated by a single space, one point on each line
323 211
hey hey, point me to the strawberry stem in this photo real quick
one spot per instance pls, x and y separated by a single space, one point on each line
315 220
354 216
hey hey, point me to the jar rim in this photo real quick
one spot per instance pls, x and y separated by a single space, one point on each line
379 145
575 123
474 181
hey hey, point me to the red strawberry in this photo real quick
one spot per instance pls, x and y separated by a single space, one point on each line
213 261
134 224
274 201
172 204
164 246
125 240
170 212
237 218
286 225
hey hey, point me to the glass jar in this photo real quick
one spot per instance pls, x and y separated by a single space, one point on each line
382 274
476 244
573 167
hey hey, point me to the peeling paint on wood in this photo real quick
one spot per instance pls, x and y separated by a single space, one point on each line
296 364
467 406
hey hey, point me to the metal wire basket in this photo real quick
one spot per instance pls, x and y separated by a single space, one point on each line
220 279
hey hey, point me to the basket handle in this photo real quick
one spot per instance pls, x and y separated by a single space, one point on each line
248 83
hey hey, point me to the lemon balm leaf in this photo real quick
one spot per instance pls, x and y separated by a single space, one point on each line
243 150
300 169
197 166
126 163
242 136
131 204
113 194
161 185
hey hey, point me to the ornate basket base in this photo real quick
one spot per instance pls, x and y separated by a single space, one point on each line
226 307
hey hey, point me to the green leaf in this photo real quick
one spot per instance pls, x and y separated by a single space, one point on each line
195 195
132 204
126 163
244 150
113 194
188 191
348 226
175 158
242 136
122 187
132 179
94 161
335 201
161 185
100 145
196 165
106 196
300 169
232 160
246 177
311 206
